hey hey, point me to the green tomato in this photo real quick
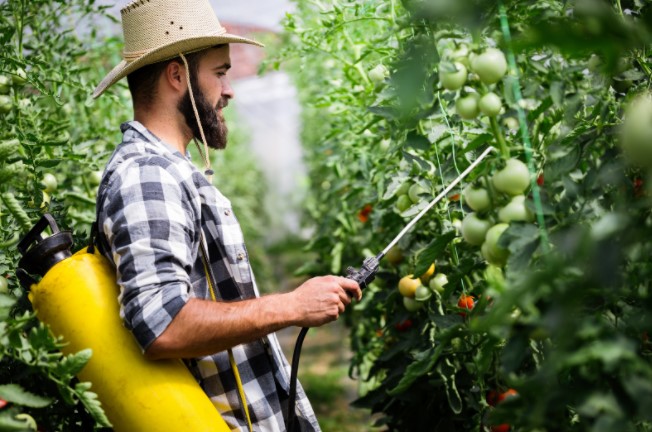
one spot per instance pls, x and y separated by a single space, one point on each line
394 256
5 104
4 285
414 192
490 104
514 179
403 203
495 261
5 83
493 248
490 66
636 131
515 211
422 294
453 80
411 305
467 106
437 282
49 183
378 74
19 78
404 188
476 198
511 123
461 55
474 229
95 178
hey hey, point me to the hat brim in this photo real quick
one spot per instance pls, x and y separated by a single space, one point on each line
167 52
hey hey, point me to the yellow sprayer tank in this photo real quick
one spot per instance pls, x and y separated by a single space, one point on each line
77 298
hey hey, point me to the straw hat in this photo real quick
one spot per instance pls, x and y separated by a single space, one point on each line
158 30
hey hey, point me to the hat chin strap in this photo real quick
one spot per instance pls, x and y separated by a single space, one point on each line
208 172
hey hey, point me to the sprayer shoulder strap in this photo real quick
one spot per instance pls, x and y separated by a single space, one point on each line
210 277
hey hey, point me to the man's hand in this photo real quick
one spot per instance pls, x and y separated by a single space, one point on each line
321 300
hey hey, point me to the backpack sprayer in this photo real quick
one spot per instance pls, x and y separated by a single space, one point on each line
78 298
364 276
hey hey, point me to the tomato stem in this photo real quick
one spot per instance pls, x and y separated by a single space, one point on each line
620 8
495 128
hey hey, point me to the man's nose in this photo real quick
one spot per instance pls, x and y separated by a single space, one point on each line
227 90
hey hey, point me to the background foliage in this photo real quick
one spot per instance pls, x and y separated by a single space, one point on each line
561 326
54 142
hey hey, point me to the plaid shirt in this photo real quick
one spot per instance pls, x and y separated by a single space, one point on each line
151 204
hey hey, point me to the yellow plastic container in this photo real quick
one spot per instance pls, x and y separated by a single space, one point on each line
77 298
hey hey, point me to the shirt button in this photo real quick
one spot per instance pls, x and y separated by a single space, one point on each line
227 212
241 256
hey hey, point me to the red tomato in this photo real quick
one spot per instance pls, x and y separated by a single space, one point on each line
492 398
639 190
465 302
540 180
3 403
363 214
508 394
454 198
403 325
504 427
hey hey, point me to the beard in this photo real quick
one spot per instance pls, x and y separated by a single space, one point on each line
212 120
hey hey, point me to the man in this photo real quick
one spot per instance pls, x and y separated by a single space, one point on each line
169 231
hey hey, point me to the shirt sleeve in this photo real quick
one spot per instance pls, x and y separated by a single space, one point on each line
150 227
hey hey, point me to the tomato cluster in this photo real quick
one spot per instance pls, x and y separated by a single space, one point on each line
486 68
416 291
495 204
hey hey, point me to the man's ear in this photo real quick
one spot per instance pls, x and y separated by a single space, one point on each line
175 76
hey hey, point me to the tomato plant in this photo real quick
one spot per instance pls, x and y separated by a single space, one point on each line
545 257
54 143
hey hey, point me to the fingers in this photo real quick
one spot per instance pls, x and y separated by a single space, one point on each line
351 287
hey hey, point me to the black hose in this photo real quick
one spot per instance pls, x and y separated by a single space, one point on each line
293 380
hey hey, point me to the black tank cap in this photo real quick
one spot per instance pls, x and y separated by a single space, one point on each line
40 253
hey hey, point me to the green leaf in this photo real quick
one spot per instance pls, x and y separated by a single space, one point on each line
393 186
417 142
48 163
16 394
557 93
8 423
478 141
92 404
424 363
446 321
562 164
422 164
522 239
336 258
72 364
447 373
431 252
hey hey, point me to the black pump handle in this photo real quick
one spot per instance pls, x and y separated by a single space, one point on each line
35 234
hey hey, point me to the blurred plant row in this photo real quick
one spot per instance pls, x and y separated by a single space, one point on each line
521 301
54 142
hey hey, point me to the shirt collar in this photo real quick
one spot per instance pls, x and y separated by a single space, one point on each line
150 137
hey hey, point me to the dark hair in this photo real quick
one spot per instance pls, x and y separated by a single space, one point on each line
142 82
